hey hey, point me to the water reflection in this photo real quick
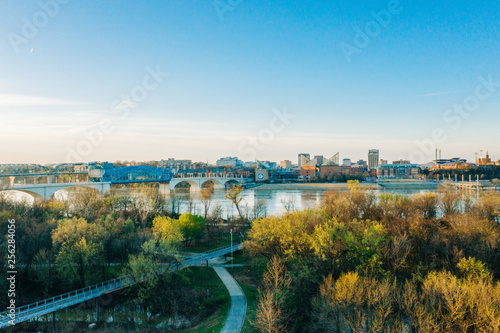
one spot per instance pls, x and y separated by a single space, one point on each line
255 202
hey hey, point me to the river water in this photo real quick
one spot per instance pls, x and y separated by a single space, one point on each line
255 202
262 202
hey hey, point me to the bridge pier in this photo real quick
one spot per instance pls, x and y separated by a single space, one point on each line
164 189
54 322
195 188
12 180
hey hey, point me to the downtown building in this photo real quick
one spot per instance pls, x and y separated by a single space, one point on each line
398 171
373 159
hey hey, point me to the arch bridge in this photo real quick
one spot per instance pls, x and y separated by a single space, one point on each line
43 192
197 183
102 179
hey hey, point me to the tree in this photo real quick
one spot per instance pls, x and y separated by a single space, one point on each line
46 269
288 204
175 203
86 203
473 269
115 231
79 249
271 315
77 261
206 199
259 209
234 195
167 229
192 226
354 303
148 202
152 272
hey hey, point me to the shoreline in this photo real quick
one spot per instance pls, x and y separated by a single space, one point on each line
345 186
312 186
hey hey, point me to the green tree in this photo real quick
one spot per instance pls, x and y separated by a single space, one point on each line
77 262
151 270
471 268
192 226
79 250
46 269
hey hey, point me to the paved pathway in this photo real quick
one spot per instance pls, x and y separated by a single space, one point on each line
238 309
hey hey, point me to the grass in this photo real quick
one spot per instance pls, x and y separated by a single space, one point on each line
240 258
252 295
214 323
206 244
202 278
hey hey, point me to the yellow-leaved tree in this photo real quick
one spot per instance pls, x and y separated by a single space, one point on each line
167 229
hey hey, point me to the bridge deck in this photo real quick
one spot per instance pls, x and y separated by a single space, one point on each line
40 174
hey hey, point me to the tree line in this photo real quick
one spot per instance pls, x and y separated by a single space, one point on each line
381 263
86 238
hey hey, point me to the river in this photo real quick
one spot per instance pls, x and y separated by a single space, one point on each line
259 201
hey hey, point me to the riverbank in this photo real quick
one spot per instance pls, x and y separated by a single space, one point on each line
383 185
312 186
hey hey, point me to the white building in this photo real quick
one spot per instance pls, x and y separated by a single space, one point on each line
229 161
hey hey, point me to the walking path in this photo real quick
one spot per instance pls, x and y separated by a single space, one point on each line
237 312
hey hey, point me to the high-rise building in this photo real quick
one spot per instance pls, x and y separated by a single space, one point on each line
304 159
346 162
373 159
318 160
286 164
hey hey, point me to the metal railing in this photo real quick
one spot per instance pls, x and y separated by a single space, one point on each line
59 302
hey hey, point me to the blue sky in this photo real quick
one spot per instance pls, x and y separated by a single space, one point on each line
233 65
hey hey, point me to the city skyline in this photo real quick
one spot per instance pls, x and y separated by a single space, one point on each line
294 161
142 81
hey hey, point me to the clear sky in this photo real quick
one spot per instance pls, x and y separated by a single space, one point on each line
256 79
